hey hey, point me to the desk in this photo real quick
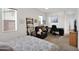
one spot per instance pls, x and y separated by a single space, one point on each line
73 39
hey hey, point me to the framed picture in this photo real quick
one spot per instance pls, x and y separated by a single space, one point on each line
35 21
54 19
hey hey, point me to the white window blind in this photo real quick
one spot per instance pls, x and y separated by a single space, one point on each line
9 18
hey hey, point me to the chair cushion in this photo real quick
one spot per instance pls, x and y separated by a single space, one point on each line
39 32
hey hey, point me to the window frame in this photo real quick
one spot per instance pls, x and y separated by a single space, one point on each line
14 20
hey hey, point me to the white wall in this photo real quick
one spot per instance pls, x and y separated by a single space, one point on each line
65 19
61 20
70 16
78 26
22 13
0 19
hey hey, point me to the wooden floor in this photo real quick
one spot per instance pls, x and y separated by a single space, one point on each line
62 42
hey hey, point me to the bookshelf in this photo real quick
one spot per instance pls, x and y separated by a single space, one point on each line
29 25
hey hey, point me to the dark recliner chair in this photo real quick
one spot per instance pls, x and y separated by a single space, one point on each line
43 33
57 31
53 30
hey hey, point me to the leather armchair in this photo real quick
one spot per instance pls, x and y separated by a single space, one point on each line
57 31
43 33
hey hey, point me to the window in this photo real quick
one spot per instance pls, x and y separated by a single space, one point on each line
41 19
9 19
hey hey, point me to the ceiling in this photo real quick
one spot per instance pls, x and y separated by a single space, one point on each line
49 10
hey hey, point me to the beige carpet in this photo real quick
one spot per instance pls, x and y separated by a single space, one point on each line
62 42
